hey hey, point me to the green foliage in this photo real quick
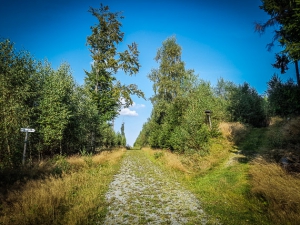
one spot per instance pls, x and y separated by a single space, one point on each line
178 121
119 139
171 79
195 121
67 118
61 165
55 106
64 115
178 139
247 106
143 137
283 97
285 17
158 155
84 153
105 89
17 88
123 138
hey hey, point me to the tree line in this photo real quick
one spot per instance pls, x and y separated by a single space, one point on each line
178 121
68 118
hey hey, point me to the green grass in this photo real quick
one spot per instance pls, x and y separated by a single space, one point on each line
241 182
224 193
224 189
254 143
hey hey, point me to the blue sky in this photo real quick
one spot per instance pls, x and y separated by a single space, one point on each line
217 39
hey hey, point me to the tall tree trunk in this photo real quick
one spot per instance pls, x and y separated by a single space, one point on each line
297 72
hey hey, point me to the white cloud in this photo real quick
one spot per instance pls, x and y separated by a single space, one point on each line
137 106
134 105
128 112
122 100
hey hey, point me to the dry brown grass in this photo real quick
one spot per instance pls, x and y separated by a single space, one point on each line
288 130
279 189
109 156
77 162
77 197
275 120
233 131
174 161
219 152
283 138
194 163
291 129
171 160
222 190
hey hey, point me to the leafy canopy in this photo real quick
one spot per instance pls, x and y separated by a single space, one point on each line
107 61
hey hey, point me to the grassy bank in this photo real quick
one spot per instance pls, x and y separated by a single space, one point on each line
241 181
223 188
72 194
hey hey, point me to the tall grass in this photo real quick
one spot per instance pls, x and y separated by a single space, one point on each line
270 184
222 187
223 190
278 190
254 189
234 131
76 196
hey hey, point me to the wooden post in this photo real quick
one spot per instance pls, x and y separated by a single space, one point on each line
208 112
26 130
209 121
24 151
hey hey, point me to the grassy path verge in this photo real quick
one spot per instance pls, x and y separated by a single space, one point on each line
75 196
143 193
224 189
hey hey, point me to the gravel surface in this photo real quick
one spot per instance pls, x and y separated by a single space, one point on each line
141 193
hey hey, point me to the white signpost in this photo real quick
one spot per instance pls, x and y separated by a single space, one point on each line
26 130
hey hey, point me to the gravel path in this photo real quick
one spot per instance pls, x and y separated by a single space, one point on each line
141 193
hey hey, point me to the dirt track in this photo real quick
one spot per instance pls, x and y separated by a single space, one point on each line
141 193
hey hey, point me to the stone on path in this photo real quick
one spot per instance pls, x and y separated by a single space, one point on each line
141 193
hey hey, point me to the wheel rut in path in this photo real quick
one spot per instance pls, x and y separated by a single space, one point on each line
141 193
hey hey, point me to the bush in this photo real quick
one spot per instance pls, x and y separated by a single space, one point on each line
158 155
247 106
178 139
283 97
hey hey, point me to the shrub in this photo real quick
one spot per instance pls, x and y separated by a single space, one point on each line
158 155
247 106
283 97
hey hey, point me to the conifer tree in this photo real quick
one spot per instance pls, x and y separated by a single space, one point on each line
285 16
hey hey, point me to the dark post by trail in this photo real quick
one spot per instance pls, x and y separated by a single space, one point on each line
26 130
208 112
